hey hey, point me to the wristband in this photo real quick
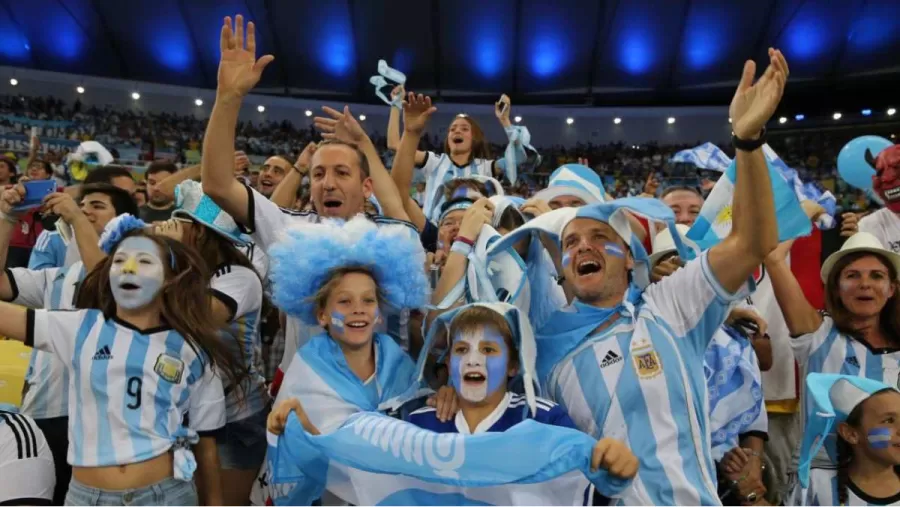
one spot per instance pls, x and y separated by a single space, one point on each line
301 173
464 240
748 144
461 248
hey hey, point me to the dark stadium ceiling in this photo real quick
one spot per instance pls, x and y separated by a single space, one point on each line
622 52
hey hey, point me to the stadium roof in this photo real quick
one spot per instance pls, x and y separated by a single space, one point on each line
623 52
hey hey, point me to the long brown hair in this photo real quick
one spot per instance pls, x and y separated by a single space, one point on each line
215 250
480 147
888 319
185 300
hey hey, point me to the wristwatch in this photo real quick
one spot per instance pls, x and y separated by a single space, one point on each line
748 144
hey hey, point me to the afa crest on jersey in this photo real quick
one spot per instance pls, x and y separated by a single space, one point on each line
169 368
646 362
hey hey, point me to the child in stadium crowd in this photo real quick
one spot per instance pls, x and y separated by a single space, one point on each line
491 347
863 417
339 275
143 367
237 301
46 395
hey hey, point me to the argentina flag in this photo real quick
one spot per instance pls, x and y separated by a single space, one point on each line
713 223
373 459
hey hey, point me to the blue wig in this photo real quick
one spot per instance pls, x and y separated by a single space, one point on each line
118 228
307 254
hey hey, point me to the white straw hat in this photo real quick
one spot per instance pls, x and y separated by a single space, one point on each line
860 242
663 244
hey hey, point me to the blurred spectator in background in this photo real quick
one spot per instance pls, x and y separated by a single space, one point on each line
159 205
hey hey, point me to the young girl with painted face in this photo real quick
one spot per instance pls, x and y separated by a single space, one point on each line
863 417
491 345
237 299
143 381
338 276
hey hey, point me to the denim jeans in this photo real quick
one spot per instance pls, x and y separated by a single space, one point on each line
166 492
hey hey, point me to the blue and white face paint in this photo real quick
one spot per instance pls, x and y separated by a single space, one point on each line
614 250
879 438
337 322
137 273
478 364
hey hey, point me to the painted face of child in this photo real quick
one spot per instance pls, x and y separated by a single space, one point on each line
137 273
479 362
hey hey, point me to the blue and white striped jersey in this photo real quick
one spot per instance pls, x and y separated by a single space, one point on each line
641 381
439 169
823 490
268 221
240 289
130 390
736 403
47 380
49 251
826 350
512 410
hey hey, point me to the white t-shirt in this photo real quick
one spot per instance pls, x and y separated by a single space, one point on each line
884 224
26 463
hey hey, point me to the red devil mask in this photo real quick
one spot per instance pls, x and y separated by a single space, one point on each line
886 181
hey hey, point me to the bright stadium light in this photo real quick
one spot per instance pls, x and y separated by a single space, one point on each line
866 112
837 116
362 117
261 109
308 113
617 120
135 95
198 102
800 117
891 111
14 81
518 119
80 89
671 120
782 120
570 121
729 120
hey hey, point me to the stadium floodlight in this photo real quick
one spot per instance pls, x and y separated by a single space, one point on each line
866 112
198 102
837 116
308 113
891 111
570 121
14 81
671 120
782 120
80 89
800 117
135 95
261 108
617 120
362 117
518 119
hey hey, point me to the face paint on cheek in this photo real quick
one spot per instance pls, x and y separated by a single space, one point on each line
879 438
137 274
566 259
846 285
337 322
497 366
614 250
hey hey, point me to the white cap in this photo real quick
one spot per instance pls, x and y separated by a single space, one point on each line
663 244
859 242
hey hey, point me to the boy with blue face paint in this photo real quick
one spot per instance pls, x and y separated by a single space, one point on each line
492 344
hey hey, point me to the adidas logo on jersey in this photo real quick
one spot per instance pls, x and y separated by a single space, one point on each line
103 354
610 359
852 361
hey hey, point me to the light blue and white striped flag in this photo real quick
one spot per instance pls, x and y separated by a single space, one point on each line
713 223
376 460
709 156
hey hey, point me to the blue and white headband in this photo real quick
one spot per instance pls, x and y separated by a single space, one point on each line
116 230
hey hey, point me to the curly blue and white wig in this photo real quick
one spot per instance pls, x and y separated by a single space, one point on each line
116 229
307 254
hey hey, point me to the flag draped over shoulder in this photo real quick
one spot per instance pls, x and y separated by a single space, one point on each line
713 223
373 459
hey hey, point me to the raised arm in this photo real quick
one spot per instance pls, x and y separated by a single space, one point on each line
344 127
167 186
393 128
286 192
417 110
754 231
239 71
85 235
